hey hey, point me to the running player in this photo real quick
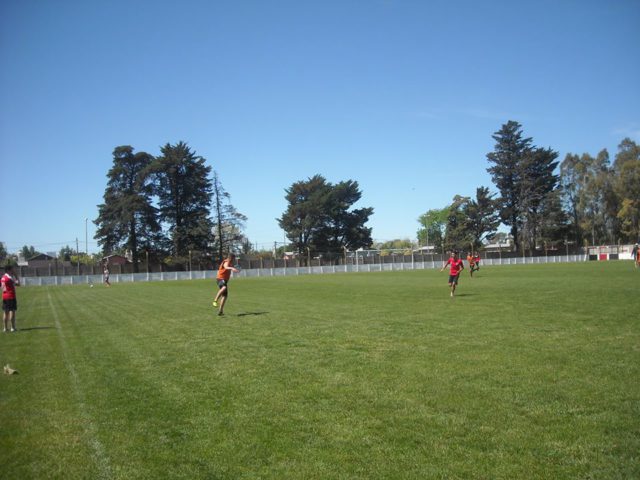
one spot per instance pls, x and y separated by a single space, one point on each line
472 263
476 261
456 265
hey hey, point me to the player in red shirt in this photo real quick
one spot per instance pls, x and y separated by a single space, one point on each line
9 282
224 274
455 267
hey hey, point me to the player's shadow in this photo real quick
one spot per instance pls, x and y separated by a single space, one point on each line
465 294
253 314
35 328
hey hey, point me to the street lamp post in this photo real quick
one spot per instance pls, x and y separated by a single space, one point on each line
86 238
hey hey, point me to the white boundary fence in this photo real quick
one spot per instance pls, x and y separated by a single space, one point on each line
292 271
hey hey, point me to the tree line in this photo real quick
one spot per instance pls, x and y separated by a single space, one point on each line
544 203
173 206
169 207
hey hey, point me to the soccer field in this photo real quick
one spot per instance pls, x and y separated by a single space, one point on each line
529 372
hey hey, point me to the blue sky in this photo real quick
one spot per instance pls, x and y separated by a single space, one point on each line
401 96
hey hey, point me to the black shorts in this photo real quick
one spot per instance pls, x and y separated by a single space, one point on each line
222 283
454 278
9 305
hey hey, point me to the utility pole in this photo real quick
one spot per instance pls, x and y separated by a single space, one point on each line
86 238
78 254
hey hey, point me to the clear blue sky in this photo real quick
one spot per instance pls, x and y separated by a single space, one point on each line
401 96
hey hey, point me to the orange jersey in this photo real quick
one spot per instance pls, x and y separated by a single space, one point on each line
223 272
471 260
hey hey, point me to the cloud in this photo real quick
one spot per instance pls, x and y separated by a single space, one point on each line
487 114
631 130
472 112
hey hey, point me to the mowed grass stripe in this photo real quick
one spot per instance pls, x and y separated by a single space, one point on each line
528 373
40 432
99 456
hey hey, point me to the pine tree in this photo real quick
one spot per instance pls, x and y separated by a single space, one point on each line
127 219
184 192
228 222
510 149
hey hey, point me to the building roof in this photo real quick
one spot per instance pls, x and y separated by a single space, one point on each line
41 256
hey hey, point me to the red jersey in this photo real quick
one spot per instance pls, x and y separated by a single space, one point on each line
223 272
8 287
456 265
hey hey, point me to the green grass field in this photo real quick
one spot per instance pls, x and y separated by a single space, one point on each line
531 372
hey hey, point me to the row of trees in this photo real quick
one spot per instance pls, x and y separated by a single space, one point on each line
585 200
174 205
169 205
602 200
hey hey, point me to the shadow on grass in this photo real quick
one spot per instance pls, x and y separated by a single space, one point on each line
35 328
246 314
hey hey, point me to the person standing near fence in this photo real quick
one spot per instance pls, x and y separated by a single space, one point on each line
636 255
9 282
456 265
222 279
105 273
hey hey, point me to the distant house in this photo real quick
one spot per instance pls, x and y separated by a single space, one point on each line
41 260
115 260
427 249
502 245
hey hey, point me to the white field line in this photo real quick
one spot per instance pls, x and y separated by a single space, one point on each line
99 455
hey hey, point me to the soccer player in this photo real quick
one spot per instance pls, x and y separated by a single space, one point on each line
105 273
9 282
635 253
224 274
476 262
456 265
472 263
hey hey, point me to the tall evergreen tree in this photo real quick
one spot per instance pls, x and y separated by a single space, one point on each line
183 188
537 181
509 151
554 227
127 218
228 222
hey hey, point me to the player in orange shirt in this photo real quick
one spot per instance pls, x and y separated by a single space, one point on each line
476 262
222 279
472 263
